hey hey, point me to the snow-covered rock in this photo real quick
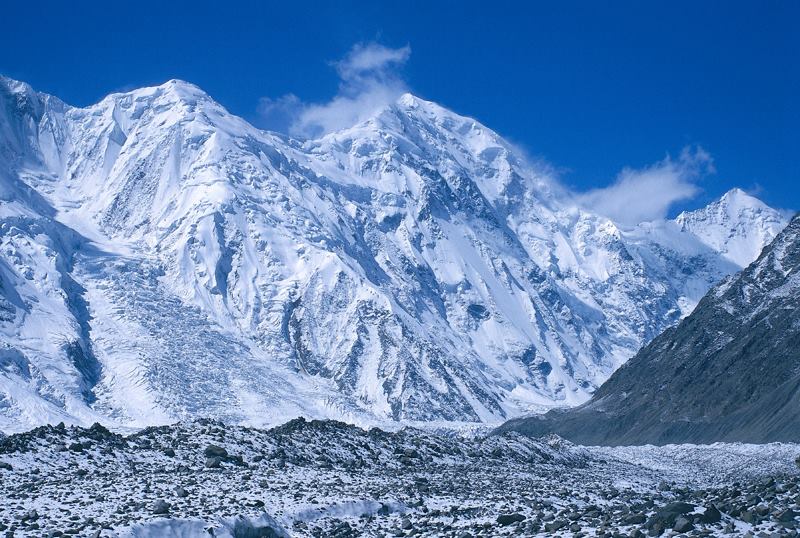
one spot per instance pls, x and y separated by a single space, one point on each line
308 479
737 225
163 259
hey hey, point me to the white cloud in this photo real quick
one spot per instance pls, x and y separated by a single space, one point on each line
648 194
369 81
370 59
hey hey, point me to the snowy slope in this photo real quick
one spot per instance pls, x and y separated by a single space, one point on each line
738 226
164 259
727 372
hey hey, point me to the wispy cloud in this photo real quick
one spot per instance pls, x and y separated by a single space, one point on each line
371 59
369 80
648 194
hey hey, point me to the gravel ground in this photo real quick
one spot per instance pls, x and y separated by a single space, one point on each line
329 479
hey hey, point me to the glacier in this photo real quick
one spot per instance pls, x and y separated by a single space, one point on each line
162 259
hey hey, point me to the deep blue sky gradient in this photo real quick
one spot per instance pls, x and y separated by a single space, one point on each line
589 86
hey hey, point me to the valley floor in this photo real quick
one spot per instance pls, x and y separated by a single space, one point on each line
302 479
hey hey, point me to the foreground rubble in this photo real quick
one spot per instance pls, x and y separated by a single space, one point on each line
330 479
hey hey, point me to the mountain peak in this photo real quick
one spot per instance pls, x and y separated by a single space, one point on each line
413 105
392 117
736 192
411 267
732 201
24 95
735 203
173 90
736 225
408 100
15 86
737 199
431 125
182 88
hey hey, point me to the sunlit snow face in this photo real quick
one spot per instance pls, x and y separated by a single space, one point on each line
401 269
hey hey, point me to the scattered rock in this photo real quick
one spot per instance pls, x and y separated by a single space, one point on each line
667 515
786 516
161 507
214 451
711 515
682 524
748 516
509 519
634 519
529 487
31 515
553 526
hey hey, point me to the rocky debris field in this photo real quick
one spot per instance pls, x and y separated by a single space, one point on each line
329 479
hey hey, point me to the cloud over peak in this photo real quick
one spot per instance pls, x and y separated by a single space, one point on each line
371 59
369 81
639 195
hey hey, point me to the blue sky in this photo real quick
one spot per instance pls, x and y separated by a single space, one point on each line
594 88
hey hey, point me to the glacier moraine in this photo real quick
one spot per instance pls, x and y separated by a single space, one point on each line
323 478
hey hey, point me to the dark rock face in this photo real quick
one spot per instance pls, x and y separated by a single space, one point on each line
730 371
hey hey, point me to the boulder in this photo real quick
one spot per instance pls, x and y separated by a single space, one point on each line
667 515
553 526
786 516
214 451
711 515
161 507
509 519
682 524
634 519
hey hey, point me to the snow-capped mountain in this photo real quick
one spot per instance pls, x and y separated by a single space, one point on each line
727 372
162 259
738 226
